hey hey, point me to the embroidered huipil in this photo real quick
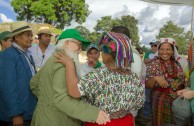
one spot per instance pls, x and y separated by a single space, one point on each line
112 91
162 98
155 69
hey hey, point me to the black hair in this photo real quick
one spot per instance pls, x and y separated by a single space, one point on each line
121 29
139 49
177 48
39 36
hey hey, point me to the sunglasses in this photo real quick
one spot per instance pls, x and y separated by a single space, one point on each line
154 45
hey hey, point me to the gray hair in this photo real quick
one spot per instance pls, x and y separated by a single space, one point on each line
60 44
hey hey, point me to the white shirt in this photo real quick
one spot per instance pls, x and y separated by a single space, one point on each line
136 66
40 58
85 68
151 56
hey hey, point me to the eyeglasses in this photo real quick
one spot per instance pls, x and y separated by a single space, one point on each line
154 45
79 43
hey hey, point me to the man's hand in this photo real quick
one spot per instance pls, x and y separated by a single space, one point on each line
92 62
161 81
63 58
18 121
103 118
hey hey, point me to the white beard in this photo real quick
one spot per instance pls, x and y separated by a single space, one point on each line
75 57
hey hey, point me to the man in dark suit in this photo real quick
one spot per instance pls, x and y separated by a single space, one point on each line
16 69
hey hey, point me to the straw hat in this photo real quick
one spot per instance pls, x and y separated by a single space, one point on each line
19 27
44 30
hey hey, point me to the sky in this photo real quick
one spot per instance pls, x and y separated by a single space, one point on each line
151 17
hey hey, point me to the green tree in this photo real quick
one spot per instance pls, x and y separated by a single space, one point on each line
131 23
91 36
94 37
83 31
58 13
170 30
145 49
107 23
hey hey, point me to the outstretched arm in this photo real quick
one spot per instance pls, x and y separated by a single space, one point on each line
74 108
186 93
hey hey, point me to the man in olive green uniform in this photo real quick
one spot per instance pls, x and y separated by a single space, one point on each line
55 107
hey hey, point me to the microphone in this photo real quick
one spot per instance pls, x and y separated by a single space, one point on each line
42 60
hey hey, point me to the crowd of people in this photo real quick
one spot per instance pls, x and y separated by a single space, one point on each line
45 85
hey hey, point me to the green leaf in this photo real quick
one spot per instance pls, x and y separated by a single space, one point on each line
58 13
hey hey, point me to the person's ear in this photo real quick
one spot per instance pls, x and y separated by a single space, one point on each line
17 37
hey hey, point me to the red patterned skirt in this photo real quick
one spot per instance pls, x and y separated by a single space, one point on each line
125 121
161 104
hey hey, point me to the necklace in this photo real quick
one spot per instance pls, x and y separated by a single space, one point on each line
172 72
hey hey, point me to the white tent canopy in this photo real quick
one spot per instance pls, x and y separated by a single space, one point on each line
180 2
172 2
177 2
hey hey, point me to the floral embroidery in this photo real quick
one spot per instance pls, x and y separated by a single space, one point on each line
155 69
112 91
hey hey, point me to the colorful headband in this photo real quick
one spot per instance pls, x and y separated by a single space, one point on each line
119 44
168 40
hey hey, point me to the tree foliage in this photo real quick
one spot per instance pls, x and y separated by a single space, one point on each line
107 23
170 30
145 49
94 37
58 13
91 36
83 31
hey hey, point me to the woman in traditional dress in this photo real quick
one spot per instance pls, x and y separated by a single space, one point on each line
165 76
113 88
